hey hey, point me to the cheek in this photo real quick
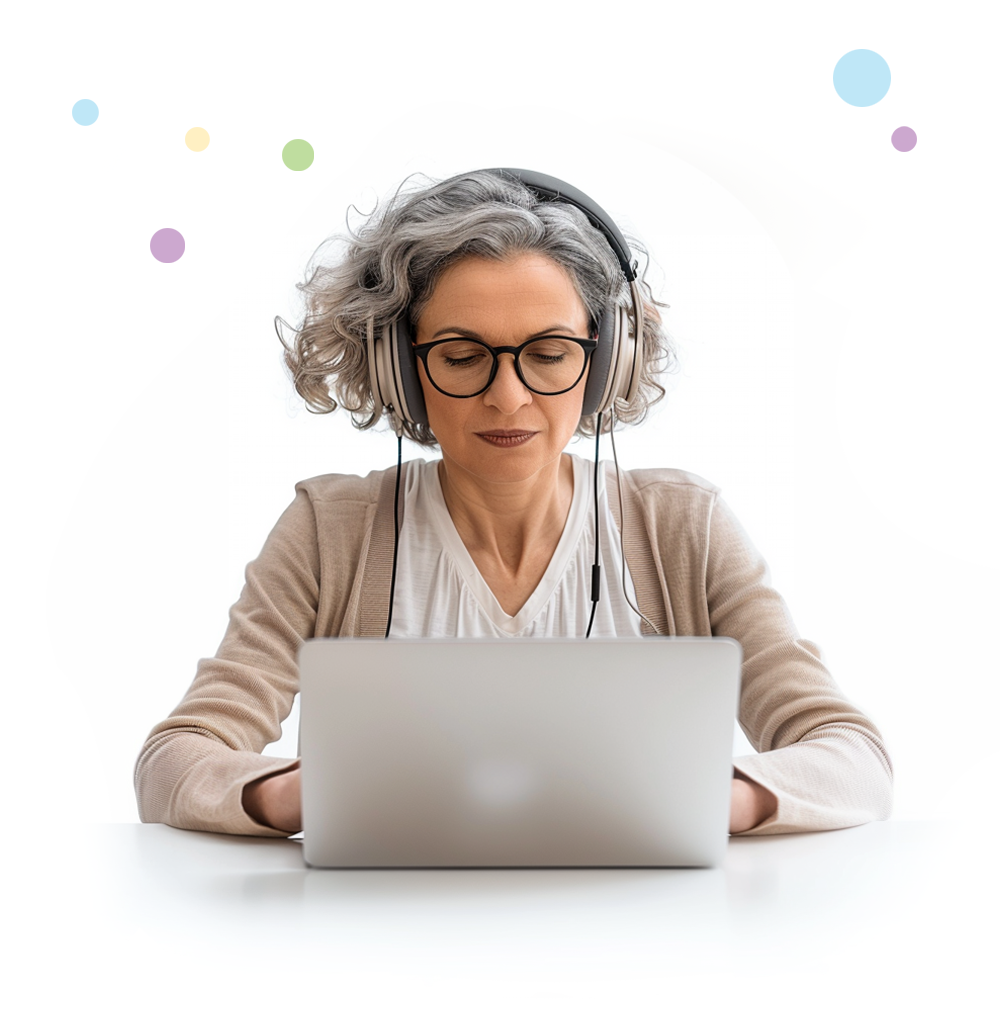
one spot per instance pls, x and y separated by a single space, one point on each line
443 413
574 405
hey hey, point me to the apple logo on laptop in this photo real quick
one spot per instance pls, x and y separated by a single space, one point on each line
501 782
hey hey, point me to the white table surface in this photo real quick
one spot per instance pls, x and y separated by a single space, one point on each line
867 929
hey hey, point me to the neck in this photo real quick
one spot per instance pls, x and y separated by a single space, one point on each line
510 523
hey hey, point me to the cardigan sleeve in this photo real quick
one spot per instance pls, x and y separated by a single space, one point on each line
823 759
194 765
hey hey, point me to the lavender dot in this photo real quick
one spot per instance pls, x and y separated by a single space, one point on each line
167 245
904 139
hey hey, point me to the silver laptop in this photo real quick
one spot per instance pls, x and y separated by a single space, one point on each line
528 752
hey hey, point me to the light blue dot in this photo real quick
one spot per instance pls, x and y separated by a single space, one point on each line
85 113
862 78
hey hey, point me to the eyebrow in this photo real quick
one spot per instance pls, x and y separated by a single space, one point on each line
466 333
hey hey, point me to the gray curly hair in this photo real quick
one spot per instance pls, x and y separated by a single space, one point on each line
391 266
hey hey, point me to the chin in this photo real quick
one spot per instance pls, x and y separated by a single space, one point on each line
498 464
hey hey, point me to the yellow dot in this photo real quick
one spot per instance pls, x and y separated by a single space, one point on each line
196 138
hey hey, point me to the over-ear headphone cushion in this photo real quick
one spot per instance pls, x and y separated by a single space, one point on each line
600 363
407 380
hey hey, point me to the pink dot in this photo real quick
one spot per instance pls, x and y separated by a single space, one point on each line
904 139
167 245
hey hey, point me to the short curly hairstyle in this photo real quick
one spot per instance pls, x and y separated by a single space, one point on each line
391 264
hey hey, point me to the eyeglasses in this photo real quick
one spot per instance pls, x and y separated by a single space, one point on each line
548 365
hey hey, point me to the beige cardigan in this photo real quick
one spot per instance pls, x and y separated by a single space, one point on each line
324 571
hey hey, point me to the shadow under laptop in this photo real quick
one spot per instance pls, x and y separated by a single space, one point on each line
476 914
457 883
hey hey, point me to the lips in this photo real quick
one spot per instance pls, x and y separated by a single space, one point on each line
507 438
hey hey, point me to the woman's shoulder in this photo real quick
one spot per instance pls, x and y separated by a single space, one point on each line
672 480
680 508
678 503
336 486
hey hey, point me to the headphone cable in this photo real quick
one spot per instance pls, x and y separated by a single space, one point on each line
395 521
595 577
621 535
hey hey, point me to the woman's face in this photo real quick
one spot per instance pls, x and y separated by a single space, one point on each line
503 302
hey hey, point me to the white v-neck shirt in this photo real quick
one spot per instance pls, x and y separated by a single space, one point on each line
440 592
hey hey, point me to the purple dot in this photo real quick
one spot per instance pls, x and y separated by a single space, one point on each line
167 245
904 139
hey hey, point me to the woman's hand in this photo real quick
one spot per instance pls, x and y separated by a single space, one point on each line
276 801
750 804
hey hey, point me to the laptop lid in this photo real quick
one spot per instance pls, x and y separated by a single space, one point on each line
530 752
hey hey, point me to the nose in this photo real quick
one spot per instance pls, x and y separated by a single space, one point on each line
507 392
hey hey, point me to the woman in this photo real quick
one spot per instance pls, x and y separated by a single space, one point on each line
495 315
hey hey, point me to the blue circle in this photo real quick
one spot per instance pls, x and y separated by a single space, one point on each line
85 113
862 78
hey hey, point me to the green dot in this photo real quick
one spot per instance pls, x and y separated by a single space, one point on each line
297 155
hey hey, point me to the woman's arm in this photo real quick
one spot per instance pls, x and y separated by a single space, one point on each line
195 765
820 757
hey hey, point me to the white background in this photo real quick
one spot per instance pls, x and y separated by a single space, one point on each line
832 297
834 303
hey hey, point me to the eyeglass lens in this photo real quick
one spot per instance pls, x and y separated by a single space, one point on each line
462 367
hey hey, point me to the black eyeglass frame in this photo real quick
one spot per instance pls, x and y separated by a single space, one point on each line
587 344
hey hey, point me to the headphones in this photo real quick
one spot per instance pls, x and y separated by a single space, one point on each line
615 364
